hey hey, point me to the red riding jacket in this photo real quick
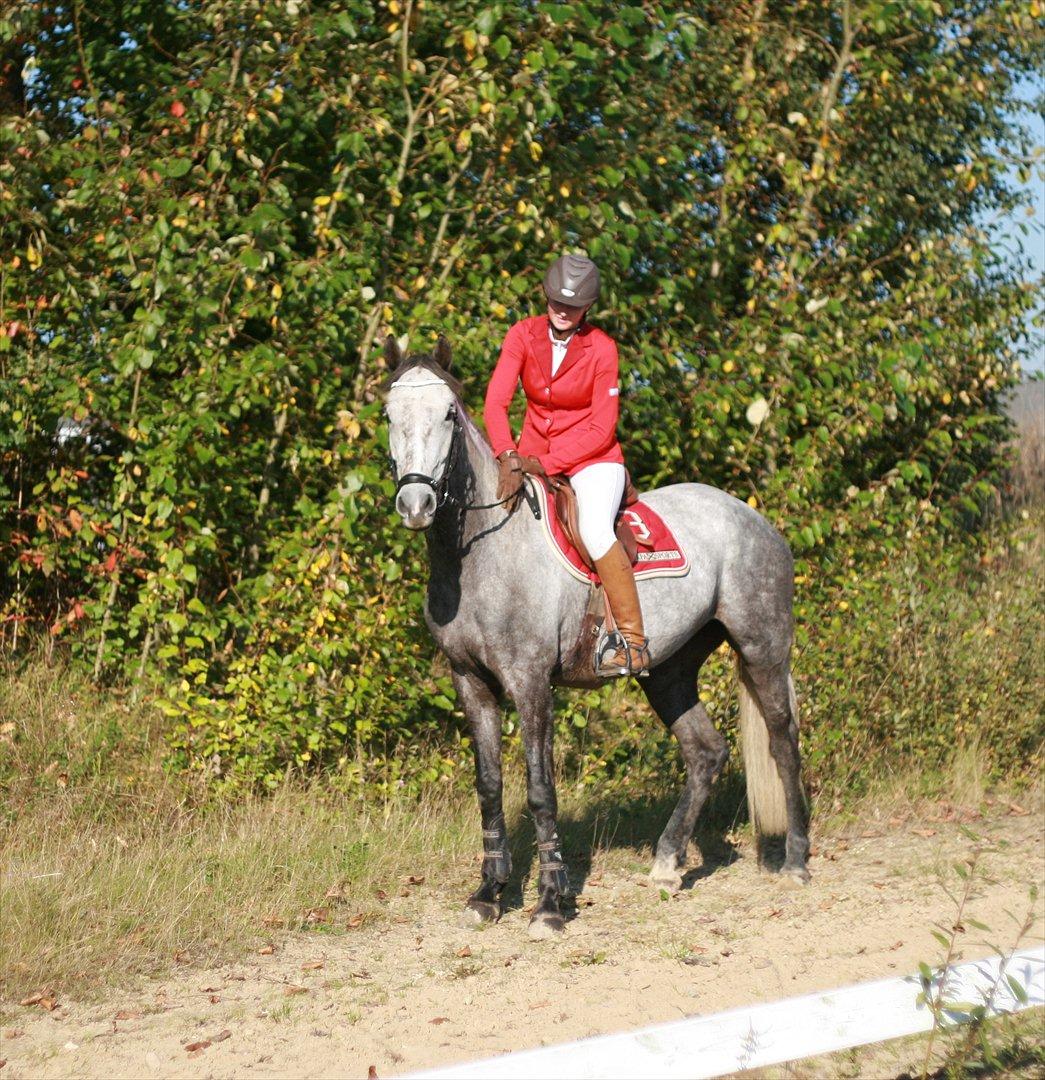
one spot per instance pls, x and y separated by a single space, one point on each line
571 419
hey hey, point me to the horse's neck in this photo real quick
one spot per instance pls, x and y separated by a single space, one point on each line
481 530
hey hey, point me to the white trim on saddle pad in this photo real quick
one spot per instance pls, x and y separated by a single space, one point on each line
548 509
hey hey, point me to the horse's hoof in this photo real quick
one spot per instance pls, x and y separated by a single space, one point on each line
666 877
795 877
545 927
478 913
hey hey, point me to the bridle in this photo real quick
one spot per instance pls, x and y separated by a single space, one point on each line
441 487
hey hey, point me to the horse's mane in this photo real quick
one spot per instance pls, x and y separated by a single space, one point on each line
429 364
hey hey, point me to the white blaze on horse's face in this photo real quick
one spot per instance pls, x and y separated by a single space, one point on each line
420 408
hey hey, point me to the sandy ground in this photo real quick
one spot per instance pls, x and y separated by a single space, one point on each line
414 990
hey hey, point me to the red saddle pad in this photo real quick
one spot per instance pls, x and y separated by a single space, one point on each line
659 553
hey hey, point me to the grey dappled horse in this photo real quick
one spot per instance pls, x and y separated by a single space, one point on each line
507 616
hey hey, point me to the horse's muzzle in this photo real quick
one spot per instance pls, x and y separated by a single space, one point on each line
416 505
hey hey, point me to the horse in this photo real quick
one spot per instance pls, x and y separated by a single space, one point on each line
508 616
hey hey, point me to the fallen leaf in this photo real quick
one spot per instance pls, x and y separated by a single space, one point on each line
33 999
3 1062
14 1033
727 952
201 1045
336 892
371 1073
317 915
404 891
214 999
381 894
292 988
775 913
414 879
128 1014
1017 811
926 833
314 966
273 921
541 1005
266 950
440 1020
182 957
356 921
210 989
222 1036
362 974
898 945
466 951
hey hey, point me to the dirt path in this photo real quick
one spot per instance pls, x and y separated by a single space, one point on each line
416 991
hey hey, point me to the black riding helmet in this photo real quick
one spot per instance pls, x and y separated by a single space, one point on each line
573 280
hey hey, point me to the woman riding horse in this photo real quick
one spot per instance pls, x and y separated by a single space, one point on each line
569 374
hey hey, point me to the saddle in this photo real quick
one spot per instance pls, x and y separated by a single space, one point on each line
566 512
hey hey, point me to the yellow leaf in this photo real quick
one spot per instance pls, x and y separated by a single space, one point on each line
277 291
393 7
751 501
32 256
179 222
322 200
564 190
276 93
728 366
536 151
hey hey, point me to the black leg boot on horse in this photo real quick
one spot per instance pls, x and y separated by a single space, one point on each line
631 656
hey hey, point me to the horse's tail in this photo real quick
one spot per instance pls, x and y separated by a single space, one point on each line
765 792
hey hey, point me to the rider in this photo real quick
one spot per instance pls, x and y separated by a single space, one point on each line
570 377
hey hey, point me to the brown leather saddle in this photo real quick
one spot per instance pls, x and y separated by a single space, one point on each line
566 512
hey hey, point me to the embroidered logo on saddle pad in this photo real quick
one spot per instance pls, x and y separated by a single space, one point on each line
659 553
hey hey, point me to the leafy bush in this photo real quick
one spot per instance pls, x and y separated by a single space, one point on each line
213 214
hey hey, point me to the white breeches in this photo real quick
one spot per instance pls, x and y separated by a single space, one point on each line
599 489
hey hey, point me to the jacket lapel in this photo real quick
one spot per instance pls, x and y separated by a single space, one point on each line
541 345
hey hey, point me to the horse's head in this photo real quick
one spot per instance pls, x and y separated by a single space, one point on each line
421 404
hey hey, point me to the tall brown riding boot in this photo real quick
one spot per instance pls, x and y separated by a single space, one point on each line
619 582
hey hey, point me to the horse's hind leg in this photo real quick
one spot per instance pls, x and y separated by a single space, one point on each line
672 691
770 684
479 701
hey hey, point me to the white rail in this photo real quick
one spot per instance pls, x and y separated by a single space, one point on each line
762 1035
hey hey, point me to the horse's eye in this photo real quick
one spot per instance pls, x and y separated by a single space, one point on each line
450 413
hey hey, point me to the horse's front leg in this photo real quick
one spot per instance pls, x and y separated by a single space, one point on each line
535 713
478 698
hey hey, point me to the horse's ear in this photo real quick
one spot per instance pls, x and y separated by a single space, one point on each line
442 353
393 354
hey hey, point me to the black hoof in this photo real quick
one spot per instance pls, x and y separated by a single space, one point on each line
544 926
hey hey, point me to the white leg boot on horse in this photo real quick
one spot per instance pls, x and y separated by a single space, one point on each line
632 656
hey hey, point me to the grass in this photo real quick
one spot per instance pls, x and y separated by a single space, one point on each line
111 867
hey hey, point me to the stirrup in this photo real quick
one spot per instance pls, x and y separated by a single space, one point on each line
615 642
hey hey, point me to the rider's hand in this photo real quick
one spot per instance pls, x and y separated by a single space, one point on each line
532 466
510 475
